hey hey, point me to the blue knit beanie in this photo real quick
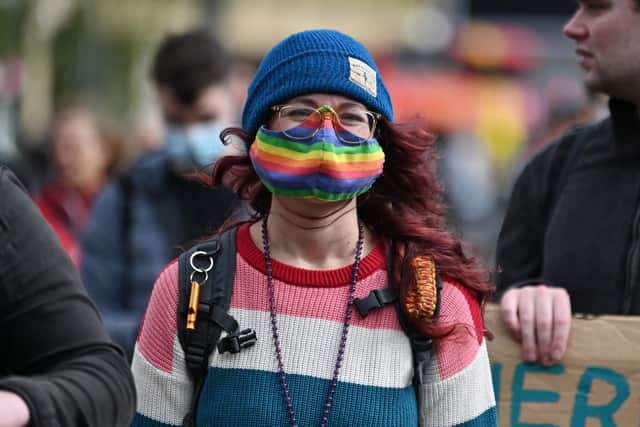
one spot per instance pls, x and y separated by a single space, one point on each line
322 61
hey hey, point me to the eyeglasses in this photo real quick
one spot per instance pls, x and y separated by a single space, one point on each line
352 125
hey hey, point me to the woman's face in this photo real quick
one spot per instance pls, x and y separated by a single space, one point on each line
353 115
79 152
329 156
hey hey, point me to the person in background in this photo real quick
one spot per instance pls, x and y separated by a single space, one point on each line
58 366
83 157
338 188
570 239
143 219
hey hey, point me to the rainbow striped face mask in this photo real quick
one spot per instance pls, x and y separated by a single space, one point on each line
321 166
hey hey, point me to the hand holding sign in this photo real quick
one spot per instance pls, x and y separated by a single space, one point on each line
540 317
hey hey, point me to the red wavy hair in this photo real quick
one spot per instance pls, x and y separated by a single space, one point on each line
403 208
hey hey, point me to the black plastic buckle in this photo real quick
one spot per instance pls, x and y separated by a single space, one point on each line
236 341
377 298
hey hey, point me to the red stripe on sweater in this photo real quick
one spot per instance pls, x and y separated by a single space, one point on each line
372 262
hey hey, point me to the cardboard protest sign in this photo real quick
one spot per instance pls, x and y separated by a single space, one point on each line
596 384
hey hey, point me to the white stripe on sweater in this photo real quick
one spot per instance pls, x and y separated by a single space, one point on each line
310 347
460 398
162 396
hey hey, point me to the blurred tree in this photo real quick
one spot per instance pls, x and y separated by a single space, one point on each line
96 50
12 14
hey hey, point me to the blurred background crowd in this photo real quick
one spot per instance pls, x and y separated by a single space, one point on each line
495 81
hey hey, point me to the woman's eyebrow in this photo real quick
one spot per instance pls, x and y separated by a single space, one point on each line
351 104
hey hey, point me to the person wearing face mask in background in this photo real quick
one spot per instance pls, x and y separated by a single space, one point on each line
143 219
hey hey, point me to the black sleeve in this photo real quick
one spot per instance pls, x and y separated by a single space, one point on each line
519 251
55 352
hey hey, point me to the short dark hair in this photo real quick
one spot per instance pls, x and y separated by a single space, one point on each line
189 62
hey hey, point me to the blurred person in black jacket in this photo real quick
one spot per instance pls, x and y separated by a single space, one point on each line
58 366
570 241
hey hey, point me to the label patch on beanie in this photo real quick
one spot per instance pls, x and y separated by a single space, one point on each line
363 75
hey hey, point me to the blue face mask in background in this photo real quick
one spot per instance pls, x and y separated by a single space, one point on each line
195 145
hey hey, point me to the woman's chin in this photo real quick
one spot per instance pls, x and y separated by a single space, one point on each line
312 207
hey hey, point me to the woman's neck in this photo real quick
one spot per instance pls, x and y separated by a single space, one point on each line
312 234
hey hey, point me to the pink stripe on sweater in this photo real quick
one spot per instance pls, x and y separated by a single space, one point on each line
457 351
329 303
155 341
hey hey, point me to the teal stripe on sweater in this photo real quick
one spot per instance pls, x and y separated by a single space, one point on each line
488 418
142 421
253 410
245 397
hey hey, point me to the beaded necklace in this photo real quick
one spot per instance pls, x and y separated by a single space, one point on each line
276 336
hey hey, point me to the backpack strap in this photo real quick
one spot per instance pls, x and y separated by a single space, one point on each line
206 273
421 345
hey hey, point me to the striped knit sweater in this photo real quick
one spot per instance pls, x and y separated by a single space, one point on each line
374 387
